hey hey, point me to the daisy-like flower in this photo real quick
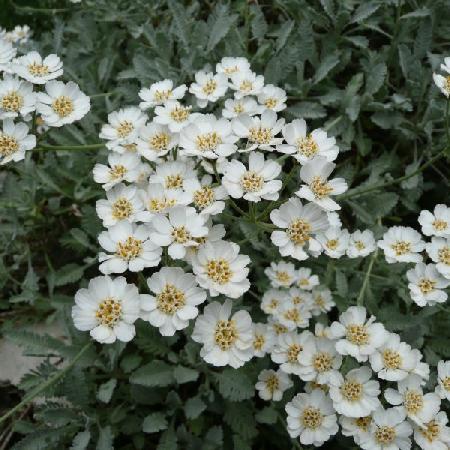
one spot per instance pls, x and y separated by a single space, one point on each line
255 183
272 301
208 137
37 70
443 82
334 241
436 223
299 224
221 269
439 252
294 315
281 274
175 115
426 284
303 146
206 199
356 335
298 296
215 233
263 339
159 93
107 309
260 132
361 243
246 83
311 418
434 435
121 167
443 379
402 244
7 53
15 141
155 140
287 351
388 431
123 128
21 34
174 174
305 279
16 98
174 300
208 87
271 385
178 230
419 407
322 301
395 360
356 427
229 65
319 360
122 203
128 247
356 394
276 327
272 97
235 107
318 189
227 339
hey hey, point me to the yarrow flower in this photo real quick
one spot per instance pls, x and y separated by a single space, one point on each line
402 244
160 93
36 69
443 82
271 385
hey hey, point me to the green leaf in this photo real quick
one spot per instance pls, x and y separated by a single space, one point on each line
307 110
328 63
267 415
168 441
341 283
105 439
81 440
240 418
180 20
156 373
235 385
375 78
154 422
221 25
70 273
259 24
364 11
194 407
417 14
185 374
285 32
106 390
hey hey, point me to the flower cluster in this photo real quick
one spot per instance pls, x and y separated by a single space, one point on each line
31 97
19 35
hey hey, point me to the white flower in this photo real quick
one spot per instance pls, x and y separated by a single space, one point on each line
206 198
419 407
322 301
319 360
276 327
235 107
357 427
122 203
402 244
395 360
123 128
356 335
305 280
108 309
246 83
62 103
174 174
125 167
439 251
334 241
281 274
272 301
37 70
272 97
227 339
263 339
20 34
361 243
443 82
388 431
434 435
298 296
443 379
175 115
215 233
260 132
356 394
174 300
128 247
159 93
178 230
229 65
426 284
287 350
208 137
305 146
16 97
7 53
436 223
334 219
271 385
155 141
299 224
254 184
15 141
311 417
318 189
208 87
294 315
220 268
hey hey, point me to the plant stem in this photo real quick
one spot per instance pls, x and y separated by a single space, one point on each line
69 147
360 299
42 387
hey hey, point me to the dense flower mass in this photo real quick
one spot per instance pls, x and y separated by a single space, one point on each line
173 172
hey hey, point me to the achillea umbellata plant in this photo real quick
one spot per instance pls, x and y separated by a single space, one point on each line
271 275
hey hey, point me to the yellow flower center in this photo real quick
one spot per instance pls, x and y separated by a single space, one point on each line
440 225
293 315
272 383
283 277
299 231
129 249
319 301
109 312
270 103
279 329
293 352
312 418
392 360
303 282
273 304
260 135
208 141
332 244
63 106
443 254
251 181
259 342
246 86
413 402
360 245
8 145
12 101
209 87
352 390
159 141
401 247
238 108
162 96
130 147
385 435
121 209
363 423
426 285
124 128
180 113
159 204
38 70
322 362
225 334
231 69
357 334
431 431
320 188
117 171
204 197
446 383
181 235
219 270
307 146
174 181
170 300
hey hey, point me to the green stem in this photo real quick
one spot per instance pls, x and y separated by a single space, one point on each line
360 299
69 147
42 387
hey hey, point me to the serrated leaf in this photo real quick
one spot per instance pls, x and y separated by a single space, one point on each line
81 440
70 273
235 385
185 374
417 14
221 26
364 11
327 64
375 78
267 415
168 441
194 407
106 390
105 439
284 34
307 110
154 422
156 373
